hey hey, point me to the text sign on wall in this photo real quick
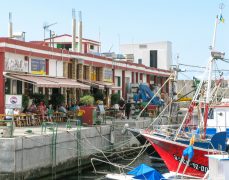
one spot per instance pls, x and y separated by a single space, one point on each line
18 65
38 66
13 101
108 75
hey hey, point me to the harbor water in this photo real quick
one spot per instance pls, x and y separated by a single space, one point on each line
89 174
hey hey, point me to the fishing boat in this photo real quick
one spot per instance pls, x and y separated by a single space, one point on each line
206 136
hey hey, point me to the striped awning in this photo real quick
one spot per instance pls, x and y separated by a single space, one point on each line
36 80
68 83
47 81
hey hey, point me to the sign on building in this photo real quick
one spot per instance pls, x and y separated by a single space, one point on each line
38 66
13 101
18 65
108 75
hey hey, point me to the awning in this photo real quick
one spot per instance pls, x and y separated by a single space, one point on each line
36 80
68 83
47 81
92 84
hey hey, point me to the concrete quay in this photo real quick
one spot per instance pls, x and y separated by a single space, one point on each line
37 155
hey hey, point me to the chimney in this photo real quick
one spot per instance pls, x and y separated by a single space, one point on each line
73 30
80 32
10 26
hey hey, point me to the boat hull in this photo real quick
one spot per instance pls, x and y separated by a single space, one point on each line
171 152
143 141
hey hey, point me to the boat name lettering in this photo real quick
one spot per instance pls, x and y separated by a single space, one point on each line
196 166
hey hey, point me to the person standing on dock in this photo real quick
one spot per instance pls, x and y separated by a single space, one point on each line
122 107
128 109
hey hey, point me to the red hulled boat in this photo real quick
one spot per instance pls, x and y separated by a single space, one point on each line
171 152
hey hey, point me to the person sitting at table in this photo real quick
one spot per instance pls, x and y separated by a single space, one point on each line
50 113
73 107
77 106
16 111
63 110
100 107
42 110
32 108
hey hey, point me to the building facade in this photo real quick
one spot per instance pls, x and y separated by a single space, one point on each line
31 67
157 55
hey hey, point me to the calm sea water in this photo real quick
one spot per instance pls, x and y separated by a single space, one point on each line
88 174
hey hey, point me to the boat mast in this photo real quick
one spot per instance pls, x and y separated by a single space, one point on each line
208 92
214 55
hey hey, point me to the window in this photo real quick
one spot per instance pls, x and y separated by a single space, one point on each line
55 90
19 87
30 89
211 113
70 70
40 90
139 61
92 47
7 86
79 71
14 86
86 74
153 58
64 46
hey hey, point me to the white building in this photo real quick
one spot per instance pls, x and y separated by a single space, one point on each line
157 55
65 42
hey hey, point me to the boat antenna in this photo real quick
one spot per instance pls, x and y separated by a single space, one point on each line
219 18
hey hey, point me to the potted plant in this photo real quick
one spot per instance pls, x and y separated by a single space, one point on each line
87 102
115 98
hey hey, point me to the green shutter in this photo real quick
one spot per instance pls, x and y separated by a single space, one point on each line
119 81
59 46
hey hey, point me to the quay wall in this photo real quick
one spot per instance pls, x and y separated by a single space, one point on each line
35 156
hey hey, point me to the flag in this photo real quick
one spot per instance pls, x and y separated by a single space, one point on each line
221 18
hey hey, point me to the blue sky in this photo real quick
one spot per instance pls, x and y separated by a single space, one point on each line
188 24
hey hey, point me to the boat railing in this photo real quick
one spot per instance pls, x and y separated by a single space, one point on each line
167 129
199 138
120 167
